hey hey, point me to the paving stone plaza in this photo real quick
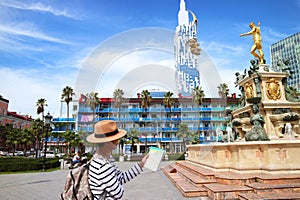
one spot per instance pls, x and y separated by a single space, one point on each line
48 185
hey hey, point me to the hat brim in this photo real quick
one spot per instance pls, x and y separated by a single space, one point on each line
92 139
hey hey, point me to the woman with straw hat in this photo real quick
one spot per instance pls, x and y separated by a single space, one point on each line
105 178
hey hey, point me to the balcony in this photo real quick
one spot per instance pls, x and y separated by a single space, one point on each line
62 129
63 120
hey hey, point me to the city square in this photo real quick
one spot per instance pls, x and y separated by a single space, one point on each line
49 185
224 109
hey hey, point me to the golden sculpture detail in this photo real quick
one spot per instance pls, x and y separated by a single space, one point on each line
255 32
273 89
248 91
194 46
195 21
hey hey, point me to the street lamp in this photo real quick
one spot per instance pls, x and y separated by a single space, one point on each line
47 124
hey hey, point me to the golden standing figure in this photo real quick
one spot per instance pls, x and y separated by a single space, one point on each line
249 91
255 32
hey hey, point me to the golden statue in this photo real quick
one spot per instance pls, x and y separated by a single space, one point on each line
255 32
248 90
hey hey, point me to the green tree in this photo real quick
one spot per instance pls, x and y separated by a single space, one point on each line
72 140
133 135
119 99
184 134
168 102
67 94
223 90
27 138
146 99
198 95
3 132
13 138
41 103
37 128
83 135
93 101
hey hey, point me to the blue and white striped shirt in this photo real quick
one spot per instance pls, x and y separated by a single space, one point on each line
105 176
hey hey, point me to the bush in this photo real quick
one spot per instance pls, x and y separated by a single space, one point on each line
13 164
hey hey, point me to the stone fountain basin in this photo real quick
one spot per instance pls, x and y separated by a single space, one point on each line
274 157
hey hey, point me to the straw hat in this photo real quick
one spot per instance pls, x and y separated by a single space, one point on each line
106 131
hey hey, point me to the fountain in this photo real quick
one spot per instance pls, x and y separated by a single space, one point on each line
288 130
267 146
261 145
218 133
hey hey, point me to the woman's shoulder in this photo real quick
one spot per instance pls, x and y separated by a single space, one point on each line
99 160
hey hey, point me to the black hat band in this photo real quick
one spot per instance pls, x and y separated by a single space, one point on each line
109 134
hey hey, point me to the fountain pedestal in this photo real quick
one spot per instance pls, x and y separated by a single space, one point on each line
274 157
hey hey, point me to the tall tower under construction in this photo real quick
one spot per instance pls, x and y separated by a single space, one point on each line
187 52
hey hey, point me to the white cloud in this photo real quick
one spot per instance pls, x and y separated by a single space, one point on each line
228 77
38 7
24 87
127 65
226 56
224 49
25 29
271 36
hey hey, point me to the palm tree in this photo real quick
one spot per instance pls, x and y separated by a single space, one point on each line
223 92
72 139
184 133
41 103
133 135
11 137
119 99
198 95
93 101
146 99
27 138
168 102
118 96
37 129
66 95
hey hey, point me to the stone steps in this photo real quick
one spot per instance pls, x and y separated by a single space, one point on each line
230 178
186 188
192 180
278 178
218 191
263 188
269 196
196 179
209 174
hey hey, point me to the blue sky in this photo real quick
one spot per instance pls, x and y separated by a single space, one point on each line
44 44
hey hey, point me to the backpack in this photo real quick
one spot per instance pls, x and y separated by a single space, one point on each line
77 185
